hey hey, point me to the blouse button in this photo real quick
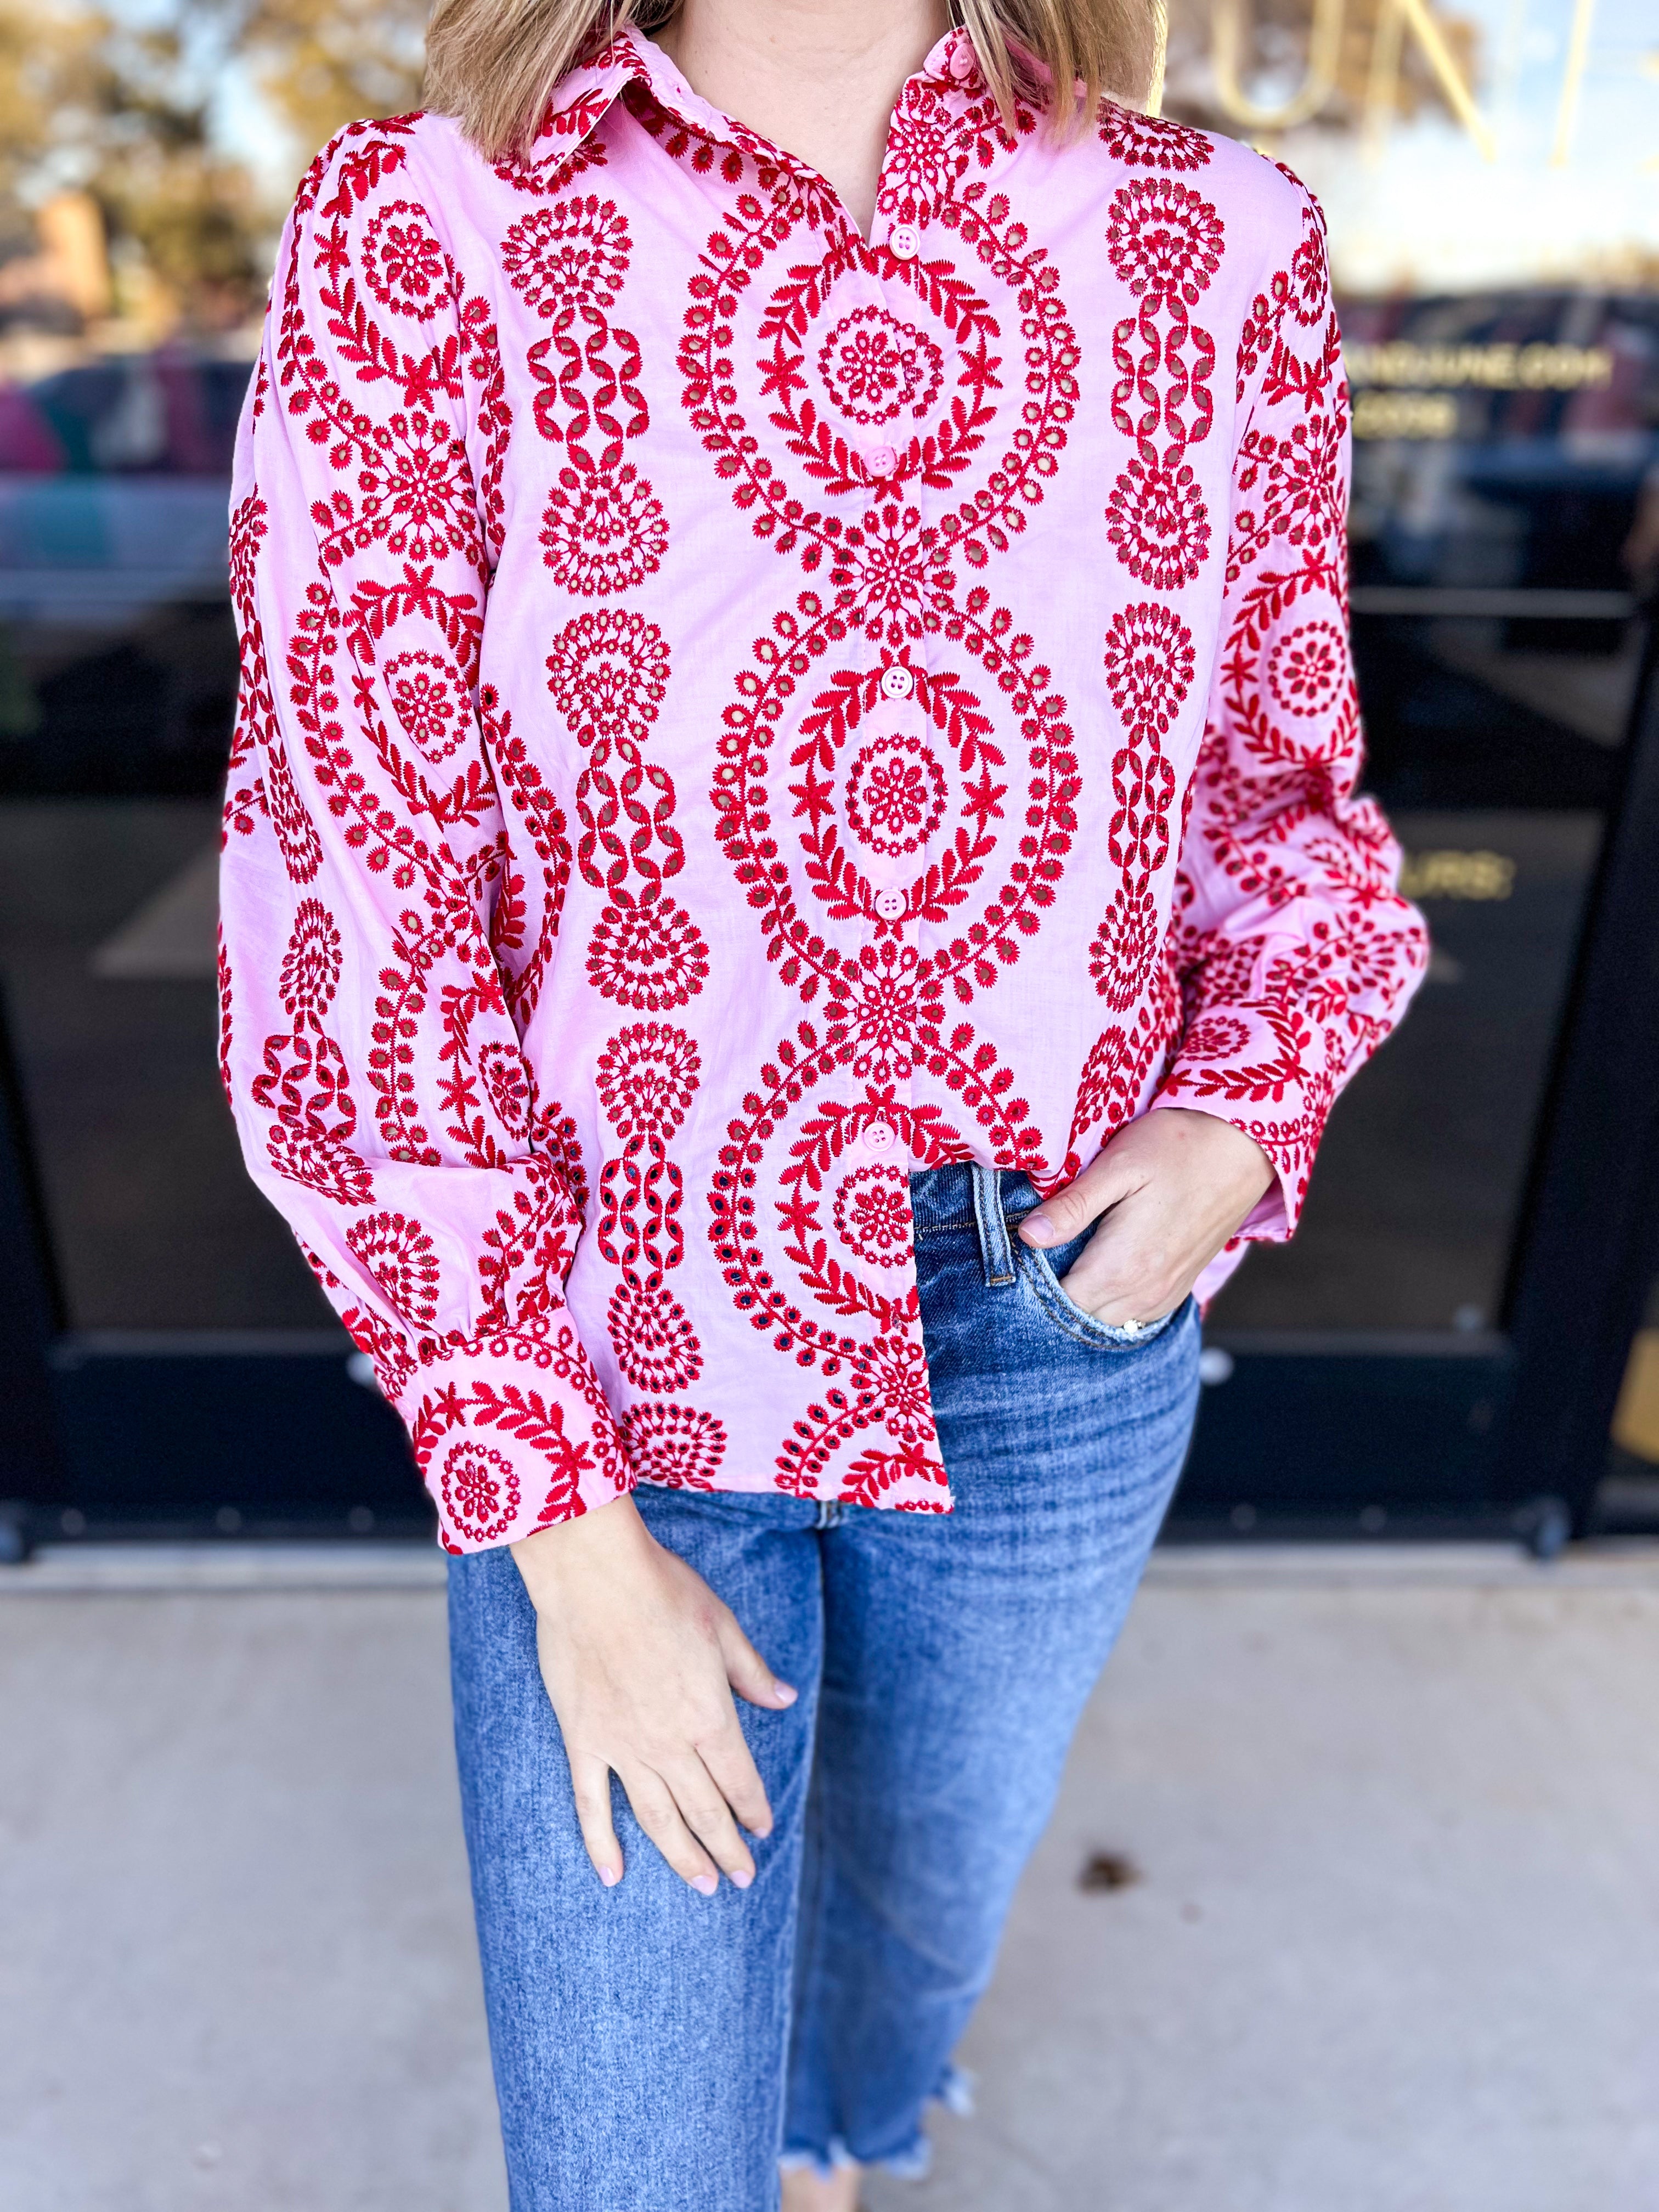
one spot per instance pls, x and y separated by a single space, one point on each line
880 1136
897 682
903 242
881 460
961 63
889 905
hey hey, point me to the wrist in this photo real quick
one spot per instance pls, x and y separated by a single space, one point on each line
1245 1160
586 1545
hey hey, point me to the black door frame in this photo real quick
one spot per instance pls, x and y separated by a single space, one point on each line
1332 1434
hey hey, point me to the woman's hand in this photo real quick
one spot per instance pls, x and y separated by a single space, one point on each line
641 1658
1173 1187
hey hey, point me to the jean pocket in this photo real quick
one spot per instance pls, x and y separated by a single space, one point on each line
1077 1321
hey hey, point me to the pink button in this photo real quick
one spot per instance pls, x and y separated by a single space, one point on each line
904 241
961 63
896 682
881 460
880 1136
889 905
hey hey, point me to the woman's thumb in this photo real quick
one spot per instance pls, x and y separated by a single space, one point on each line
748 1672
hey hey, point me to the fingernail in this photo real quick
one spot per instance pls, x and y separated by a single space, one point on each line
1038 1228
705 1884
785 1693
743 1877
609 1875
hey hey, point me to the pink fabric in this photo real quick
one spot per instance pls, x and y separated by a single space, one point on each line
731 713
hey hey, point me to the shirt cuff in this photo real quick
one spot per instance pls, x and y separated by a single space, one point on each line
1274 1217
512 1433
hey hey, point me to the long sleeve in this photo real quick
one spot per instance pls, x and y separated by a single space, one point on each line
1296 954
375 911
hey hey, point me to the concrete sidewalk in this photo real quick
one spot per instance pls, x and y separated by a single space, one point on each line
1392 1944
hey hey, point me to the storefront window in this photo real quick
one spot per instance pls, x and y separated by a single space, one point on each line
1489 175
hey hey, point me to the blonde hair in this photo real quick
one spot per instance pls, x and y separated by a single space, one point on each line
494 64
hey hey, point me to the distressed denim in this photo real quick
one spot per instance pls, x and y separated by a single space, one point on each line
659 2051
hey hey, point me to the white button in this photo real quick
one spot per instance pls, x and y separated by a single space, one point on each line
897 682
879 1135
881 460
889 905
904 241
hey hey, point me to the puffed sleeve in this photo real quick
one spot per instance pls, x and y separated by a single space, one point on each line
1296 953
380 949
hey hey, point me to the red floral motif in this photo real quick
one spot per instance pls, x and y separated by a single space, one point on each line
1217 1037
1146 141
569 258
608 672
1125 949
431 699
604 531
897 1368
925 153
1157 525
310 973
544 172
1112 1085
402 264
875 367
478 1490
896 794
399 1254
304 1083
1150 663
1298 480
671 1443
646 1077
506 1079
647 953
647 1074
656 1346
296 833
1307 293
1308 668
249 525
873 1216
1164 240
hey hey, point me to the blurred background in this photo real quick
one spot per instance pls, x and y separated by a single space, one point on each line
1459 1336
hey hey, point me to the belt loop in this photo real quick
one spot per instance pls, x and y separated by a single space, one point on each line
996 1254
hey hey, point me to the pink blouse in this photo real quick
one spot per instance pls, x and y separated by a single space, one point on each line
731 713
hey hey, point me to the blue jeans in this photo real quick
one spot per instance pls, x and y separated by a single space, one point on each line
659 2051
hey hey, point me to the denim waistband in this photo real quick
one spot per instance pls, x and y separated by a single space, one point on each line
964 1195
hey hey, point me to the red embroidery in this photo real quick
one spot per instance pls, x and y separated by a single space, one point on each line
921 851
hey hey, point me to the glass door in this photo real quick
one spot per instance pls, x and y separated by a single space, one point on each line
1487 178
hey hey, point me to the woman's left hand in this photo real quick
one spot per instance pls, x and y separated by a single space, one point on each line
1173 1186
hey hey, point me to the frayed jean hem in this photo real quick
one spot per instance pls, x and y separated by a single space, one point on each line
955 2092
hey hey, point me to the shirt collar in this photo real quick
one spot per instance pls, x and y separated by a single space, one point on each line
584 95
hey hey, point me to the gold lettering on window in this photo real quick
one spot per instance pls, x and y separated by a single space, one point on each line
1405 415
1450 874
1495 368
